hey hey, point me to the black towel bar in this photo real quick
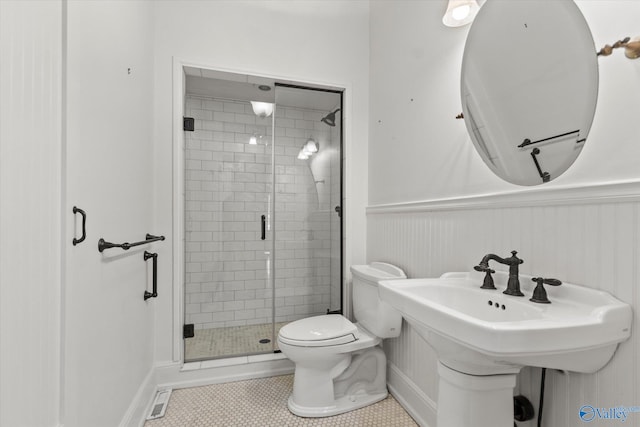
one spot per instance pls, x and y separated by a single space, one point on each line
529 142
153 294
102 244
84 225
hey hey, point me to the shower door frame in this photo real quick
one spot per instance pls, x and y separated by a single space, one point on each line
178 190
340 92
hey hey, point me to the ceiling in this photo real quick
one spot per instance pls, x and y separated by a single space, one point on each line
243 87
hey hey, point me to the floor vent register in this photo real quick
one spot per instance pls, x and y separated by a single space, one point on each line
159 404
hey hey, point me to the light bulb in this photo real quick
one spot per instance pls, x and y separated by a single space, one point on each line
311 146
253 140
262 109
461 12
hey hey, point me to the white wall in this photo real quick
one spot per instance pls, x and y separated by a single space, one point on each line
419 153
415 95
30 208
108 327
311 41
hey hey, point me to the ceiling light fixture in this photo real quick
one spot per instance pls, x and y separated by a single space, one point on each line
631 47
262 109
460 12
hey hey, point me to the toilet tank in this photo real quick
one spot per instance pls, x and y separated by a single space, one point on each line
369 310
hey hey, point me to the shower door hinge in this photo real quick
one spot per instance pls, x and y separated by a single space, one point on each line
188 124
187 331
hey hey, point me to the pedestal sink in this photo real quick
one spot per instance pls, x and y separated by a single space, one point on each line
483 337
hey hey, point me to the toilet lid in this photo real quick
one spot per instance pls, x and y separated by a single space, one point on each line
331 329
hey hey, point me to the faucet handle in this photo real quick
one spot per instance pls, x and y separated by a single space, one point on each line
488 279
552 282
539 293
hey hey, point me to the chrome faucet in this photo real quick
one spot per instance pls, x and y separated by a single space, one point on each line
513 285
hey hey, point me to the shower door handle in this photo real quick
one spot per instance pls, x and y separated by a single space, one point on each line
263 221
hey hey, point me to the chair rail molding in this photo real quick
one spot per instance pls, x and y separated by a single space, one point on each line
607 192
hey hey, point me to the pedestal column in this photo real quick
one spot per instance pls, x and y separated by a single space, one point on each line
474 400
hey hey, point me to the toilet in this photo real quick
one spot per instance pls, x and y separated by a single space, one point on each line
339 365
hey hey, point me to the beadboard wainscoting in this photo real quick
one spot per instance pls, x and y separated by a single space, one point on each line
589 235
31 203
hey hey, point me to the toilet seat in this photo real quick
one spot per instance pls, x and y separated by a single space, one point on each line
319 331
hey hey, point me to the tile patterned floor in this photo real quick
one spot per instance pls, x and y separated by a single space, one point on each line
263 403
231 341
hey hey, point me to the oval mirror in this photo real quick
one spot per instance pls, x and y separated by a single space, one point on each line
529 87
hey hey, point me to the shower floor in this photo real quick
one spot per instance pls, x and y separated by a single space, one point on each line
230 341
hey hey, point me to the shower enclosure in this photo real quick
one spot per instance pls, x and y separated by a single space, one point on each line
262 209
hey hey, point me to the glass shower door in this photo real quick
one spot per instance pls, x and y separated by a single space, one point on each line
228 235
308 183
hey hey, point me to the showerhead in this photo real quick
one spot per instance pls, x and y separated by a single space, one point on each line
330 118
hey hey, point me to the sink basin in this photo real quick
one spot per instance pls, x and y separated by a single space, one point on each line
485 332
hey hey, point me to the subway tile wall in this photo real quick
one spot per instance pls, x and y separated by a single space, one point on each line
229 186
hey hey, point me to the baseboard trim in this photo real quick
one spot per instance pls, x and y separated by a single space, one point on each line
174 376
420 406
141 403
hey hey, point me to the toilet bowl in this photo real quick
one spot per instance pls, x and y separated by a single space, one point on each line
339 365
